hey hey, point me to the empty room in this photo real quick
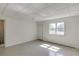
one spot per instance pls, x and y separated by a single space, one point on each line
39 29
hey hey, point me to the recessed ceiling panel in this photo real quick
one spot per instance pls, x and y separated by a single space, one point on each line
13 9
39 11
33 8
59 10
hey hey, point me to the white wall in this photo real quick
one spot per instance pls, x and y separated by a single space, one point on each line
71 37
39 30
19 31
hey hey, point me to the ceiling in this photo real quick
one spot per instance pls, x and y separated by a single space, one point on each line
38 11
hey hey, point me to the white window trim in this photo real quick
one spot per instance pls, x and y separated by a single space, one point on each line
56 33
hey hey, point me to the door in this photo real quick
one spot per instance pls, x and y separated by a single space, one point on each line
1 31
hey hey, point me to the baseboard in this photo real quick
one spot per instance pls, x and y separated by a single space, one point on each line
17 43
40 39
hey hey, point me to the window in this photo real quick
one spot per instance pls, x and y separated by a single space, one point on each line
56 28
60 28
52 28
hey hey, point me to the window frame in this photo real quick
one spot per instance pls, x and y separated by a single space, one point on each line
56 29
60 32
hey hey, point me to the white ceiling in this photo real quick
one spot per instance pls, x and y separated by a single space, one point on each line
38 11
